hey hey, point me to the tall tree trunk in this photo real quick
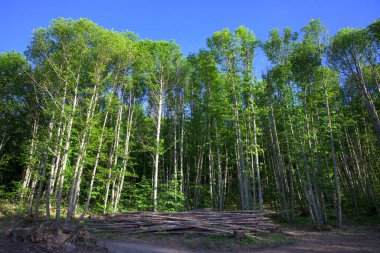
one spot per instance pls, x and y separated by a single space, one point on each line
291 180
126 152
310 193
32 192
257 165
56 157
28 170
98 153
114 151
66 154
369 102
45 155
75 185
198 175
211 168
175 161
280 165
219 171
157 144
335 167
243 184
225 173
251 160
181 148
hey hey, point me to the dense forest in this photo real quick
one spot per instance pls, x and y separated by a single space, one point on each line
98 121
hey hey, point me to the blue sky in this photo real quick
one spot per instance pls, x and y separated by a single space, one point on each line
189 23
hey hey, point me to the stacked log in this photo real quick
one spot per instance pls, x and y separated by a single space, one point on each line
190 222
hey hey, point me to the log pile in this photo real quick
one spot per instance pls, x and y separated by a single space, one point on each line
238 224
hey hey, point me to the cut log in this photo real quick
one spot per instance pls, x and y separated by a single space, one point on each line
201 222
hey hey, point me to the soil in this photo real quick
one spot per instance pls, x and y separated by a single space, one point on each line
345 240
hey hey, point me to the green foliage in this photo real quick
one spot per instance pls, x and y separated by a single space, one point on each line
171 199
138 196
349 47
16 113
9 193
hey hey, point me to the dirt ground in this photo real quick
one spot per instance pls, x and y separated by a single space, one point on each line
345 240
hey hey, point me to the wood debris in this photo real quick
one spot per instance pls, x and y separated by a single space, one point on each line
190 222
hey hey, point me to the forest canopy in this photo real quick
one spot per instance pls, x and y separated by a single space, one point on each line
95 120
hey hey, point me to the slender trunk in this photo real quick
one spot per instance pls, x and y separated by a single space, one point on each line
175 162
220 177
43 171
28 171
114 150
181 147
366 170
313 175
257 165
251 159
290 170
98 153
75 185
157 144
358 174
55 159
280 165
239 175
198 174
245 205
126 153
310 193
225 174
350 183
56 164
335 167
66 154
33 186
369 103
300 178
211 168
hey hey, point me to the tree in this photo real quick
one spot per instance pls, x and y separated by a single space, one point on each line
162 59
19 119
351 51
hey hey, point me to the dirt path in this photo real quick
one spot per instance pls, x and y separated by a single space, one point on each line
131 247
347 240
341 241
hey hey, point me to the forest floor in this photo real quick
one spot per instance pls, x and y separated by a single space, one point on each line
346 240
291 238
296 240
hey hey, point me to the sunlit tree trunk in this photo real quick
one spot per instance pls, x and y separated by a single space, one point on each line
97 159
158 143
219 171
126 153
256 150
56 156
113 157
280 165
42 173
75 185
335 167
61 178
28 170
